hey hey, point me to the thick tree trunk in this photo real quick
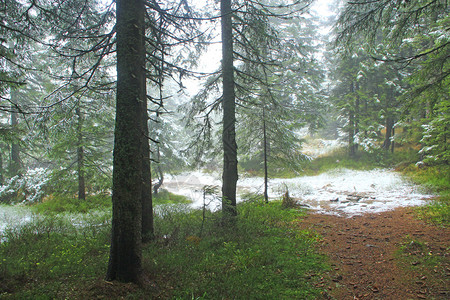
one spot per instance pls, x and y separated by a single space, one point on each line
230 175
80 156
126 241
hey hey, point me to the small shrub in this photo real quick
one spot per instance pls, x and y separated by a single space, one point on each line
287 201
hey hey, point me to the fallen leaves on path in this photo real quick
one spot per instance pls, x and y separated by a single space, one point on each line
388 255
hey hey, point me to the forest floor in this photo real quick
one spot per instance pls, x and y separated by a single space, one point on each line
388 255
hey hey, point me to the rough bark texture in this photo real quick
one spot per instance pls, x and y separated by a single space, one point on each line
147 201
15 164
230 175
126 249
80 156
160 182
266 175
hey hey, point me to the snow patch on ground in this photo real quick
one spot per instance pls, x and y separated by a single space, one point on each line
13 215
342 192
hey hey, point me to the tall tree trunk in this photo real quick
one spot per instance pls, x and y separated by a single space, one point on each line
126 240
1 167
160 182
15 163
230 174
147 201
387 138
351 135
80 155
266 175
356 116
351 125
393 142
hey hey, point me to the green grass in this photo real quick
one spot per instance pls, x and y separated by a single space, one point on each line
49 257
166 197
55 204
265 256
436 179
338 159
65 203
363 160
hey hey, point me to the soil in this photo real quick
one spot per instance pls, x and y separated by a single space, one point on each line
389 255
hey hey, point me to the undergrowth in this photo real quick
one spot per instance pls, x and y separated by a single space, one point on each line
50 256
362 160
264 256
436 179
69 204
166 197
338 159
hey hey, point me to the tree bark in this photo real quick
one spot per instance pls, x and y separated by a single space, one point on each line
160 182
1 167
147 201
387 138
80 155
230 175
126 240
352 125
351 135
266 175
15 163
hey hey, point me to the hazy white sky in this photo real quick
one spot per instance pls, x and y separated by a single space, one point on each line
321 8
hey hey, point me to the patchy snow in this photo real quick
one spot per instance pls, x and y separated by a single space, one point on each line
342 191
17 215
192 185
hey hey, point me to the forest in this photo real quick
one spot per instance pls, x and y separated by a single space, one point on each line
224 149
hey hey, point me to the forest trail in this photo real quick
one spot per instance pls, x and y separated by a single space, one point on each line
366 260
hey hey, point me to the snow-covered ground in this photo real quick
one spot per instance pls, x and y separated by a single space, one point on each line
343 192
13 216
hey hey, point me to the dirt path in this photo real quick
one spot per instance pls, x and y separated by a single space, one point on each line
367 262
